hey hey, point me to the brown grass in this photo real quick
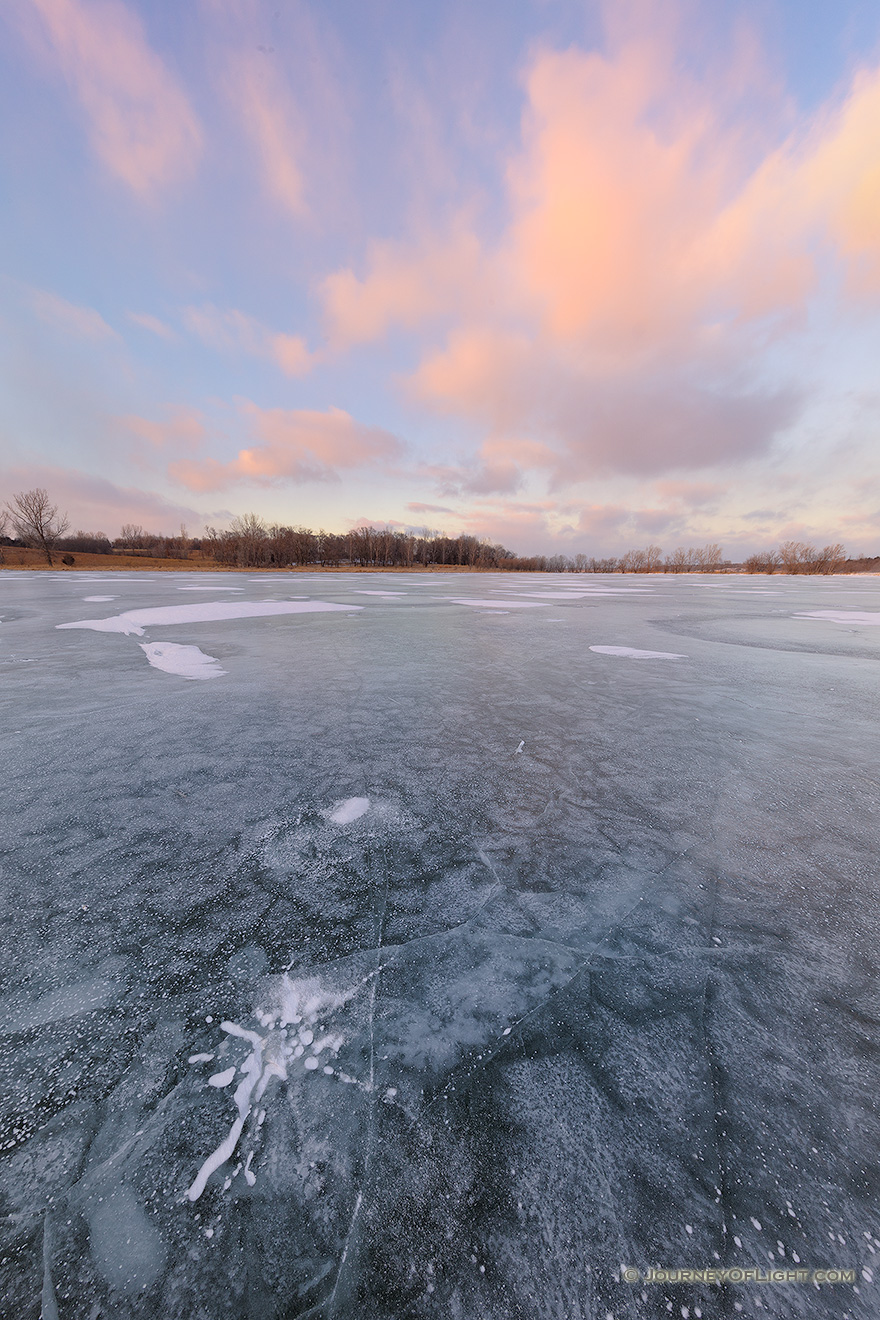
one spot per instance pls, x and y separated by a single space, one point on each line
18 557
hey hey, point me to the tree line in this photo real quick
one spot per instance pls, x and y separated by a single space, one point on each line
249 542
798 557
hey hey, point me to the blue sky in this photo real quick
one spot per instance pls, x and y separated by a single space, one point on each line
573 277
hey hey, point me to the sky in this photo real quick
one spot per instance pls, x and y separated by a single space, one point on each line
571 277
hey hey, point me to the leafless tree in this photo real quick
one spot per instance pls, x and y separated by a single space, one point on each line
678 561
36 520
830 559
133 537
707 558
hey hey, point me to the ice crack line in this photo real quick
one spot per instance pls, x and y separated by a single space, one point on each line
493 1050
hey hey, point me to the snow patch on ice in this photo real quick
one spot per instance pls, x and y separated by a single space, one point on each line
210 611
222 1078
186 661
198 587
495 604
633 654
573 595
864 618
350 809
96 599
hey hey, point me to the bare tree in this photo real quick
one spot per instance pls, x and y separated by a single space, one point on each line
132 536
832 558
36 521
4 523
707 558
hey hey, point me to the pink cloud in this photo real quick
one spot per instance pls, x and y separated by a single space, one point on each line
79 322
152 323
232 331
140 122
273 122
690 493
404 287
663 228
299 445
183 430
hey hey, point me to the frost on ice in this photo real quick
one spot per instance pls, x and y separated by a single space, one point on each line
295 1036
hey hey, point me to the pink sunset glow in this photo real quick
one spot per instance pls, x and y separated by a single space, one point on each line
567 294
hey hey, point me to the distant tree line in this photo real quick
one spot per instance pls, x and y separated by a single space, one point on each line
798 557
252 543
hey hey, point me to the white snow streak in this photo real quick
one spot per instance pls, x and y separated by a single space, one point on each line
864 618
632 654
209 611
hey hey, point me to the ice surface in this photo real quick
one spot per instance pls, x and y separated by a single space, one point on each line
187 661
126 1247
585 974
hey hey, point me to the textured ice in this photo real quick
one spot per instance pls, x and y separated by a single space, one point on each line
592 980
125 1245
69 1001
187 661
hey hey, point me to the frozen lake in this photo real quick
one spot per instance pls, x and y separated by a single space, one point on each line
434 946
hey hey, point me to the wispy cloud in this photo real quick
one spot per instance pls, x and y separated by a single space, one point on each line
184 429
73 319
140 121
416 507
147 321
232 331
274 124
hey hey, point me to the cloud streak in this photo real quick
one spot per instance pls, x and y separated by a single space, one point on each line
232 332
72 319
139 120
